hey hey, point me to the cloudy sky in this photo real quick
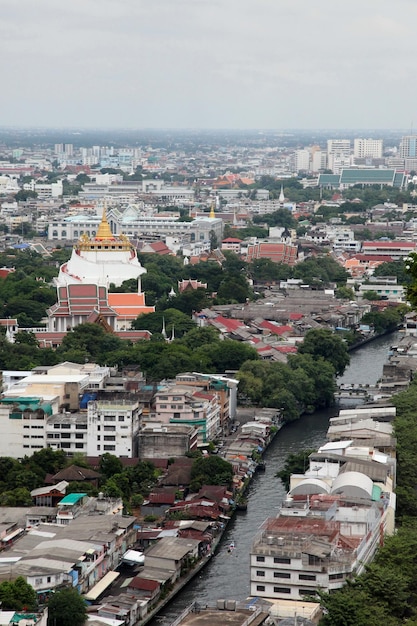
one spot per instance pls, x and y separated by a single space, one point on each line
209 63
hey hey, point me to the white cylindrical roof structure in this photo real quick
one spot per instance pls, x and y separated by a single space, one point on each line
352 484
310 486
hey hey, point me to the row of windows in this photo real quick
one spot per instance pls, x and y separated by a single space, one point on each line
69 426
261 572
277 559
64 435
302 592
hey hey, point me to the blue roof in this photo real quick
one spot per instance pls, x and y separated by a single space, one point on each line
72 498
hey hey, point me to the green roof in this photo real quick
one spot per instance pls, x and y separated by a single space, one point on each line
329 179
21 400
72 498
356 177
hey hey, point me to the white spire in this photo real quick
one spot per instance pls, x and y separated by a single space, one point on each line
281 196
173 333
163 331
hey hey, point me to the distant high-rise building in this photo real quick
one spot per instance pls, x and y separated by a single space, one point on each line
318 161
338 154
363 148
302 160
408 147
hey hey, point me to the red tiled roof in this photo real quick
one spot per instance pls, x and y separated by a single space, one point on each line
295 317
144 584
229 324
286 349
275 328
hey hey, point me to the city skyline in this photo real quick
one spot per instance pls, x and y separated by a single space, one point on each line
200 64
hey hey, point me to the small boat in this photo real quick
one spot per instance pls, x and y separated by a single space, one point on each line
231 546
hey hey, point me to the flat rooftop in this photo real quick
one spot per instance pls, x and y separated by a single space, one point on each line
222 617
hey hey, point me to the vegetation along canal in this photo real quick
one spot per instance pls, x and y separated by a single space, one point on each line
227 574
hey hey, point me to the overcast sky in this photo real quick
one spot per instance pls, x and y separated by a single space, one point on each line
209 63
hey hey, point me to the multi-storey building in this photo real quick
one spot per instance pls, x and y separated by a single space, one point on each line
334 517
183 404
363 148
338 154
113 426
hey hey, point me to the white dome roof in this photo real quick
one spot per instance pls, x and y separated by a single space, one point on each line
353 484
310 486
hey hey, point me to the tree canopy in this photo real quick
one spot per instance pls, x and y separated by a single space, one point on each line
323 343
66 608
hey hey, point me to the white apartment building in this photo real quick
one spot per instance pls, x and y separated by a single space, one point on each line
106 426
113 427
318 160
338 154
23 424
363 148
330 525
302 160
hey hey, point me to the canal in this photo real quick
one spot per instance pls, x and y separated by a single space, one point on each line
227 574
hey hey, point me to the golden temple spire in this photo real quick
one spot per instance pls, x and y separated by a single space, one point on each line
104 230
212 213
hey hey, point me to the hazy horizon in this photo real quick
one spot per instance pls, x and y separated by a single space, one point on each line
208 64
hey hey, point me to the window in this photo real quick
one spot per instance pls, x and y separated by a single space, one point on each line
65 425
307 592
281 559
109 418
282 590
57 425
79 445
109 429
109 438
121 418
81 427
65 435
162 406
65 444
38 581
48 579
109 448
260 572
282 575
260 559
79 436
163 397
307 577
260 587
338 576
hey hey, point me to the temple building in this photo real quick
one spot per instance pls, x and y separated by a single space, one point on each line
83 287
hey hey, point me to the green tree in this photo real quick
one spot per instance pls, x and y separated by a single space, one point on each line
17 595
110 465
66 608
323 343
296 463
210 470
